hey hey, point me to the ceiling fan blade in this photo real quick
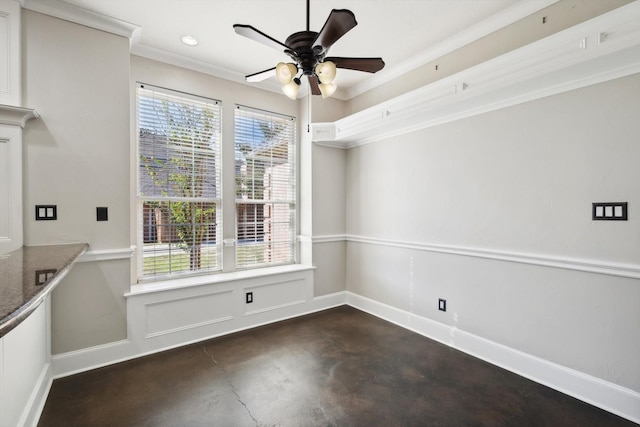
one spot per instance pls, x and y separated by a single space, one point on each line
369 65
313 83
261 75
339 22
256 35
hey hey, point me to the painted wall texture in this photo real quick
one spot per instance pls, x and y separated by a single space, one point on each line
76 156
517 180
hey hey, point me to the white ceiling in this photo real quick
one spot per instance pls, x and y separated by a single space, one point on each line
402 32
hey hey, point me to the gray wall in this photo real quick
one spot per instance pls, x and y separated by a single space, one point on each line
76 156
519 180
329 204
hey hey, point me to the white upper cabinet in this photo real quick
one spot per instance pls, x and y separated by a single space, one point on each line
10 86
13 118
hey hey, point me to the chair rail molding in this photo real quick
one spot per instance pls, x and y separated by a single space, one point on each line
97 255
601 49
631 271
16 116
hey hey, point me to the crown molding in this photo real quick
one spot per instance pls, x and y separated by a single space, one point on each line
485 27
598 50
62 10
16 116
78 15
166 57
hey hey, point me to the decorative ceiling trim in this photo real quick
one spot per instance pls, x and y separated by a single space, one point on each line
495 22
598 50
78 15
16 116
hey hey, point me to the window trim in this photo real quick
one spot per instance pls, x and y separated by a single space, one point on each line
226 207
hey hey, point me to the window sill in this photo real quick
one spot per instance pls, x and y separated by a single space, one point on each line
187 282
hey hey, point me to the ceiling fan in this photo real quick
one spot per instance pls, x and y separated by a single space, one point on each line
308 50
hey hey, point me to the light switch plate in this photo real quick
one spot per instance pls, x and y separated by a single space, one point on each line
46 212
609 211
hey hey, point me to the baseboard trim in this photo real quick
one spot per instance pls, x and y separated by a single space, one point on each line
595 391
38 398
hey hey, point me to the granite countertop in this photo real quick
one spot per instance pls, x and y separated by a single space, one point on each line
28 275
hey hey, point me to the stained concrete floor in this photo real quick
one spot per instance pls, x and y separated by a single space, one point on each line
339 367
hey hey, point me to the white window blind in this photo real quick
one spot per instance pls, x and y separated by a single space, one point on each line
265 172
179 182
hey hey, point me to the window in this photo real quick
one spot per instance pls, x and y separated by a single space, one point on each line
265 177
179 183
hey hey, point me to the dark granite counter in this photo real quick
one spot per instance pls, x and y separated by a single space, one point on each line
28 275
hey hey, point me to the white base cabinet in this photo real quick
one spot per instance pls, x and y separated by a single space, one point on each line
25 369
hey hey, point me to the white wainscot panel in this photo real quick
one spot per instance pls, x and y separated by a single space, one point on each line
189 312
163 315
271 296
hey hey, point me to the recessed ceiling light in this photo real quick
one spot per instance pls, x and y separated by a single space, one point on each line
189 40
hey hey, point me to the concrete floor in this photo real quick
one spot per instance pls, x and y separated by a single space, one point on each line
339 367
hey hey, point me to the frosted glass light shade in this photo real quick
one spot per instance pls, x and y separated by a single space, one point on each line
286 72
327 89
326 71
291 89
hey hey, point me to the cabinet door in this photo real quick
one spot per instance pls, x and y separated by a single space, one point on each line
10 188
10 52
25 364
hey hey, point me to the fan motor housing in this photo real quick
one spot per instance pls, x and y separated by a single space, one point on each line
303 52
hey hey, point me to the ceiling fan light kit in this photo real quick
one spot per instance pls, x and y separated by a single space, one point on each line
286 72
292 88
327 89
326 71
309 50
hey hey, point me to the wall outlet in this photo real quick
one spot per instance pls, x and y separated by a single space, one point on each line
102 214
43 276
442 304
249 297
